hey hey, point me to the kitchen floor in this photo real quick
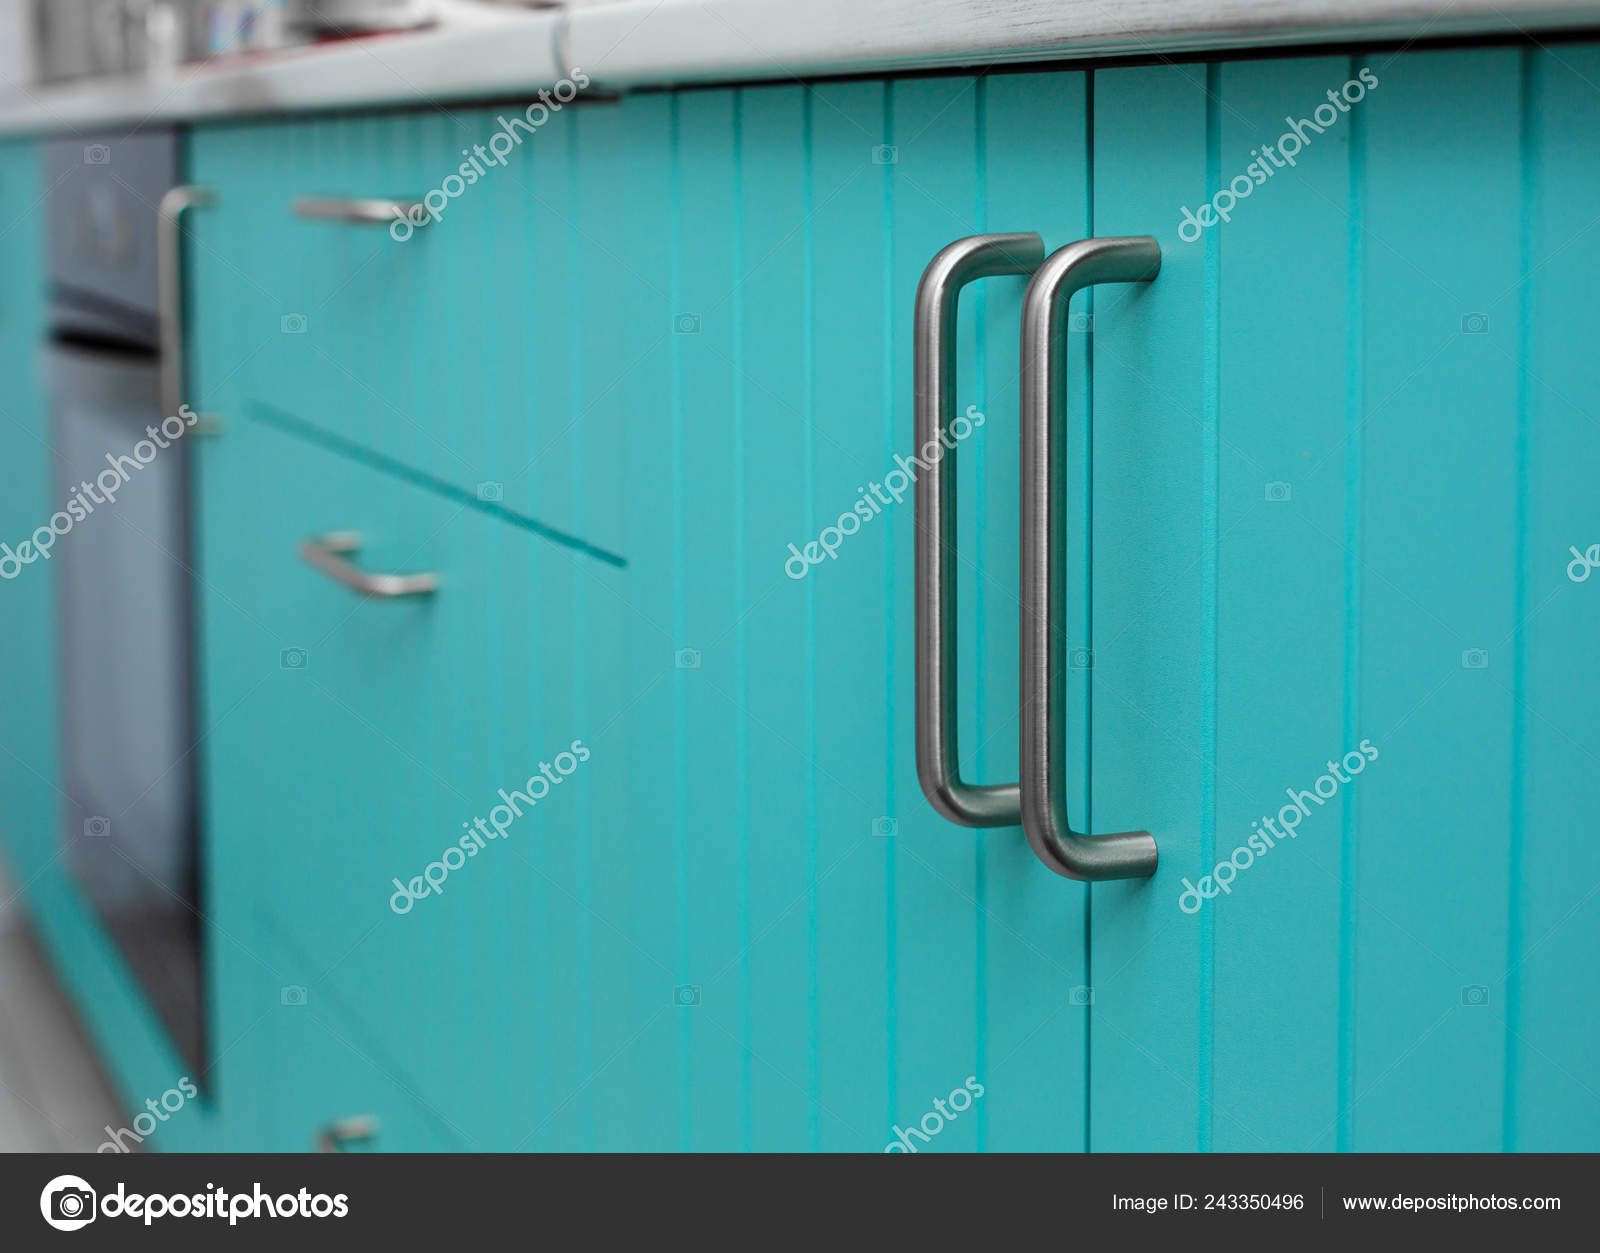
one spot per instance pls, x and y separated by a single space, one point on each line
53 1095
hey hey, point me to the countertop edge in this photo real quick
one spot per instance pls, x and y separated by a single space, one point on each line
640 43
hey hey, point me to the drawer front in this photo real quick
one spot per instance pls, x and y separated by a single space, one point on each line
493 347
336 1087
352 744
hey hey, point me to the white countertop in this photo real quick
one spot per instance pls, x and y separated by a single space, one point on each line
497 51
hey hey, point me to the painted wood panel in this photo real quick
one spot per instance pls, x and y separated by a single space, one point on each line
1353 447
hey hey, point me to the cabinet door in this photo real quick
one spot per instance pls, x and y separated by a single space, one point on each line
830 960
1341 451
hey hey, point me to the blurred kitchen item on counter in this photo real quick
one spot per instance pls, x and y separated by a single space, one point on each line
336 17
164 41
76 39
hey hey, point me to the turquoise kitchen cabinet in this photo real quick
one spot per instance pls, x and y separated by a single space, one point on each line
1324 476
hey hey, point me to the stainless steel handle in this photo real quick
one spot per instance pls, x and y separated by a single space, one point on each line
356 1129
1128 854
327 553
938 758
373 211
169 287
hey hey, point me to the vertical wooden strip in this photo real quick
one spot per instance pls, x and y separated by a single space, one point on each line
1355 387
935 881
706 611
1552 1014
1035 141
851 732
773 384
1281 519
1148 531
629 448
1440 413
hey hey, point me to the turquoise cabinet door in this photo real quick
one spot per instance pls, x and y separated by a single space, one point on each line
1341 451
814 958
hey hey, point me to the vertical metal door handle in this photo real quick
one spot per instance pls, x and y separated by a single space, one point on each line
938 759
169 288
1129 854
327 553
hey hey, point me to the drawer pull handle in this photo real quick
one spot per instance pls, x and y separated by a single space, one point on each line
938 758
327 553
375 211
341 1132
1128 854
